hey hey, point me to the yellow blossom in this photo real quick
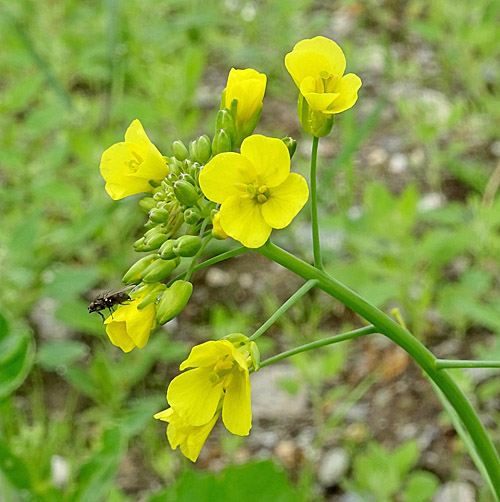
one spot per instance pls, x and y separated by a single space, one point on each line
218 374
190 438
317 67
128 166
247 87
217 230
256 190
128 327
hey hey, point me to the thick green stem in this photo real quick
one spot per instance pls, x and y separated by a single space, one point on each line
288 304
367 330
421 355
444 363
318 263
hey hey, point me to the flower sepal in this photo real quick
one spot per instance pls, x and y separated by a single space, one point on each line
313 122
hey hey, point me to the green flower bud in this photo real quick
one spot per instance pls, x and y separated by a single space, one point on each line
154 241
225 120
222 142
147 203
187 245
173 301
134 274
316 123
159 269
159 215
149 225
192 215
188 177
291 144
203 149
139 244
186 193
180 151
150 294
158 196
193 150
166 251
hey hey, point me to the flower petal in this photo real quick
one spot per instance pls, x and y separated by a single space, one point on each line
242 220
285 201
140 322
136 134
116 171
328 49
347 89
219 177
196 439
193 396
248 87
117 333
301 64
236 409
270 158
207 354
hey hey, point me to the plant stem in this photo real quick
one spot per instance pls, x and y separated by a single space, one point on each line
367 330
289 303
422 356
444 363
318 263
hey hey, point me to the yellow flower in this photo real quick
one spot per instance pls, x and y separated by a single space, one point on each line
217 230
248 87
128 166
256 190
128 327
190 438
317 67
219 373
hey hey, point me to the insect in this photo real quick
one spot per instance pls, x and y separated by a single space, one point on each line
109 300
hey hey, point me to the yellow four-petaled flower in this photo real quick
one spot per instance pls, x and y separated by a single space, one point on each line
256 190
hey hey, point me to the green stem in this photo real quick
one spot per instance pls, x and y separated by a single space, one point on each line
422 356
444 363
367 330
318 263
212 261
289 303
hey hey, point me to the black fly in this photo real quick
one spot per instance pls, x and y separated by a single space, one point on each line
109 300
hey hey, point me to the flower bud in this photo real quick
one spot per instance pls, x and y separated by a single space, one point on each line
222 142
291 144
187 245
159 269
192 215
316 123
150 294
139 244
186 193
203 149
217 230
225 120
166 251
173 301
135 272
180 150
158 215
155 240
147 203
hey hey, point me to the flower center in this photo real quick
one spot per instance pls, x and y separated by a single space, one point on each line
258 192
326 82
136 162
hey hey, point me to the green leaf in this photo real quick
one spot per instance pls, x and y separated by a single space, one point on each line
13 468
406 456
420 487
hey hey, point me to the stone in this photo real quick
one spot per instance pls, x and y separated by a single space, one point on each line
332 467
455 492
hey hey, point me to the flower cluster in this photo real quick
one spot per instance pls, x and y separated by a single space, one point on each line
217 383
234 184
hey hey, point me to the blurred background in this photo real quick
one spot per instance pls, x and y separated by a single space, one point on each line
410 219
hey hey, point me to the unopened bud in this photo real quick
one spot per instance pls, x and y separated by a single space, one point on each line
187 245
135 272
166 251
291 144
225 120
222 142
192 215
147 203
180 151
158 270
139 244
150 295
159 215
173 301
186 193
203 149
217 230
155 240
